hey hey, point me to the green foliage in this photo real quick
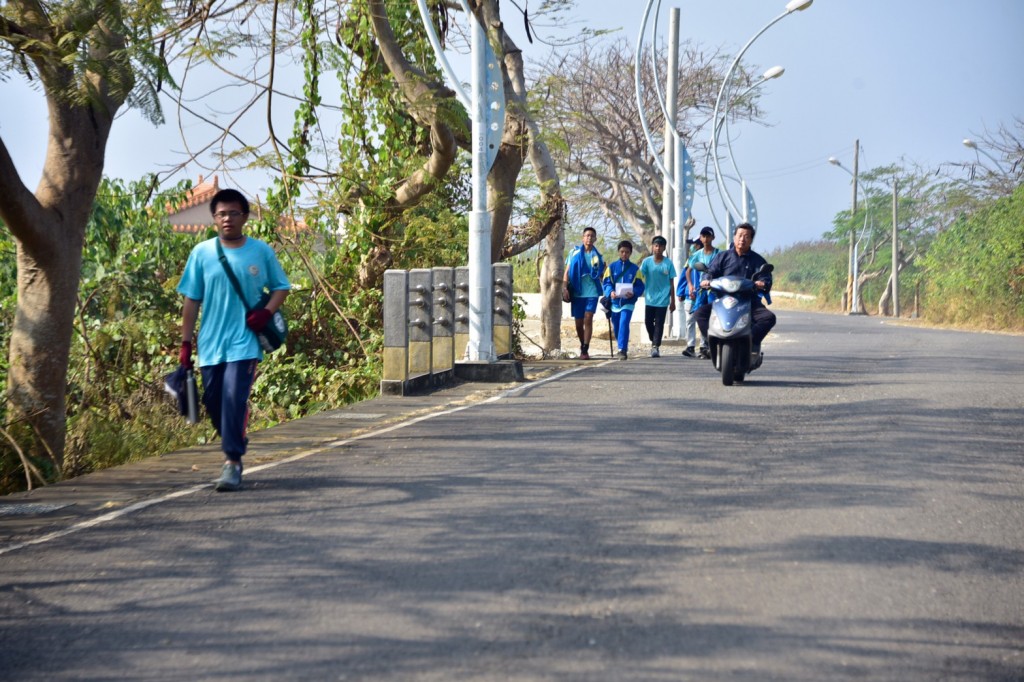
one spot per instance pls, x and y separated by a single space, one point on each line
518 318
526 269
86 53
817 268
974 271
379 143
282 197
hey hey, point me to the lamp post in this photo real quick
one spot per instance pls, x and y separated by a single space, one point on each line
792 6
850 263
853 286
486 106
748 214
895 249
677 170
971 144
770 74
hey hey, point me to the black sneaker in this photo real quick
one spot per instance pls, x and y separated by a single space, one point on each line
621 355
704 353
655 353
230 478
689 352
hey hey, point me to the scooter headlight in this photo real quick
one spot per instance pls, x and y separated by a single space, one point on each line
728 284
743 321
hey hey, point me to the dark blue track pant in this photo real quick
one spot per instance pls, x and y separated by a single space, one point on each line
620 324
226 389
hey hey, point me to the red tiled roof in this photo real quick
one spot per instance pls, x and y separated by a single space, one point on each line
201 193
190 229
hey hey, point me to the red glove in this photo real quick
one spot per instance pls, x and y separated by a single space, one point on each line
258 319
185 354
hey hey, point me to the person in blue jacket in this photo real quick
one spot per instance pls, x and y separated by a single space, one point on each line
581 286
623 271
690 292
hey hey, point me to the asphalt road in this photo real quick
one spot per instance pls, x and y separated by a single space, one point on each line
854 511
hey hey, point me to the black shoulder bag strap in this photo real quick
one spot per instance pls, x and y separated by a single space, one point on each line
231 276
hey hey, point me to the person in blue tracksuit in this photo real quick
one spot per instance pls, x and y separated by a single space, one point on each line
623 271
581 286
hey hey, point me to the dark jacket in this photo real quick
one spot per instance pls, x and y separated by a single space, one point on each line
730 264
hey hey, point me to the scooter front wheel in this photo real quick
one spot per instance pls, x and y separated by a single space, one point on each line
727 363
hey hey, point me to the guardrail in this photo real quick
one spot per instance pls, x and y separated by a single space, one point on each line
426 325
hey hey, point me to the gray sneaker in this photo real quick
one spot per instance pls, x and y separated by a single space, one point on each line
621 355
689 352
230 478
655 353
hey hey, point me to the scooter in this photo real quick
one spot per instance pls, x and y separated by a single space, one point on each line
730 329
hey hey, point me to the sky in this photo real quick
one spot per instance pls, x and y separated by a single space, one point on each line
909 78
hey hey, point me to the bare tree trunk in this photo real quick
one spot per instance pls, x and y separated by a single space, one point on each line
520 140
40 345
551 274
862 279
49 230
885 300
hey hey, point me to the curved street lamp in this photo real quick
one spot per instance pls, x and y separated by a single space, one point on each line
749 209
770 74
792 6
666 173
678 182
971 144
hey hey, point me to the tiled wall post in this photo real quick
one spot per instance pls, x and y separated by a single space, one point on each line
396 332
421 323
461 312
443 354
502 307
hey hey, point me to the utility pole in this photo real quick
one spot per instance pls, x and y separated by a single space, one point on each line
895 253
851 305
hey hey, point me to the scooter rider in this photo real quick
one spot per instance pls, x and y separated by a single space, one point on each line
740 261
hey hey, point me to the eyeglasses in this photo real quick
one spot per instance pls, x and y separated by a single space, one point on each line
221 215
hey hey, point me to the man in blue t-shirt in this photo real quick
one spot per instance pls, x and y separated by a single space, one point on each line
227 344
658 274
